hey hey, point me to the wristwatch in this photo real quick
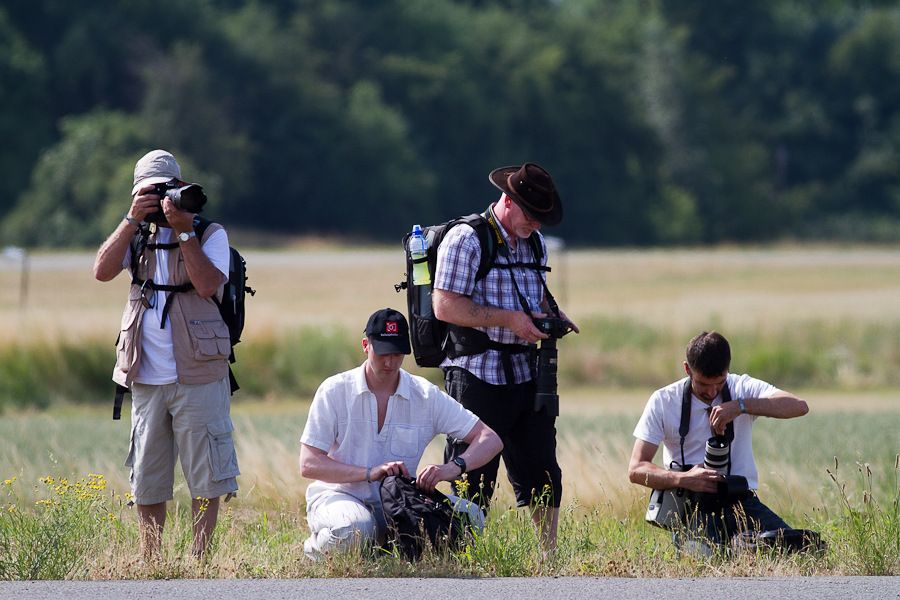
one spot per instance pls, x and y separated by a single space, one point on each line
461 463
741 405
186 235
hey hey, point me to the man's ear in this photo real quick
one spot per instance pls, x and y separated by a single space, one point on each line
687 369
365 344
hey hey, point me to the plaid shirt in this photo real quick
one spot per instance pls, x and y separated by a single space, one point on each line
457 262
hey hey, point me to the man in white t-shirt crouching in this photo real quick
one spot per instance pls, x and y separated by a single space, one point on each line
374 421
712 403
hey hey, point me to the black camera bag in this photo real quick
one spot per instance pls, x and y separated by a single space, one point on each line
789 541
414 516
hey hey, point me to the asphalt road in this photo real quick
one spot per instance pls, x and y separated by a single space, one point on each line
545 588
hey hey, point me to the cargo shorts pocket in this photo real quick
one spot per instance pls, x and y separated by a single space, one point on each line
222 456
211 339
129 460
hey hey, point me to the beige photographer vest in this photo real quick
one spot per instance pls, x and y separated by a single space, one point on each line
200 338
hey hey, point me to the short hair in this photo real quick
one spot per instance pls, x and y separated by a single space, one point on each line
709 354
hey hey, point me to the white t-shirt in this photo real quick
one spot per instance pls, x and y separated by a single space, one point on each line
662 417
343 421
158 356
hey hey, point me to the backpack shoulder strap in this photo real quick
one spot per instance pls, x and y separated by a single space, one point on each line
537 249
201 225
479 223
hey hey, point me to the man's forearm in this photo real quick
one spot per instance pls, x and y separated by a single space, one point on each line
461 310
782 405
653 476
108 262
325 468
205 277
482 449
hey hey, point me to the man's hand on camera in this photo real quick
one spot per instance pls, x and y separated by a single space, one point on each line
722 415
181 221
562 315
524 328
700 479
143 203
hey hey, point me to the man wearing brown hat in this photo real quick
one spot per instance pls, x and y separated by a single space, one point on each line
172 353
496 379
373 421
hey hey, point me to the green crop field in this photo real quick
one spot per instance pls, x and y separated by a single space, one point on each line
823 322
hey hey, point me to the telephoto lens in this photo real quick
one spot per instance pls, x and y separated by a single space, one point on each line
717 455
190 197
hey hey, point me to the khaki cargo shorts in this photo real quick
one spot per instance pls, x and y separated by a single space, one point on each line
189 422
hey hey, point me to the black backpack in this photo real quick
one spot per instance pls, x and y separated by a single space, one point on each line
231 307
429 335
414 516
234 293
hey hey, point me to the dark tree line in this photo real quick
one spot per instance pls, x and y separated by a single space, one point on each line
663 122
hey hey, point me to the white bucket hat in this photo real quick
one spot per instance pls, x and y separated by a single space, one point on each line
157 166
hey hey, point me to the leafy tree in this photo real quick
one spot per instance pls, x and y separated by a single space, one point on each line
25 126
80 187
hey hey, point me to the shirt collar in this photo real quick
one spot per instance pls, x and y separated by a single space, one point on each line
500 226
361 387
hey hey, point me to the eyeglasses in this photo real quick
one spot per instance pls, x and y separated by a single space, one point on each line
148 294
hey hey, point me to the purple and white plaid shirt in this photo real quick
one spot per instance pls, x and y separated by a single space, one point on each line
457 262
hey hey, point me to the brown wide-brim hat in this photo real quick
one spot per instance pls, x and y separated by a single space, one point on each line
531 187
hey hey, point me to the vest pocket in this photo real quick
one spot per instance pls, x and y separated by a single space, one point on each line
222 456
211 339
126 343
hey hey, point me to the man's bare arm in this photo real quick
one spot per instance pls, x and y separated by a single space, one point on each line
461 310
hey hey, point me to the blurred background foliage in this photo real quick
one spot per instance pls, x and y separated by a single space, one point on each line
675 122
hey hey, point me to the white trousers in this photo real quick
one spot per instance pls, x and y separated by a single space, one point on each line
339 522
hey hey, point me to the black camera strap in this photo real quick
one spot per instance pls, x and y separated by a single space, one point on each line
137 250
509 265
503 250
685 424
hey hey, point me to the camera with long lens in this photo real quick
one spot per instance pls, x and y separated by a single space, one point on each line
718 455
731 488
546 368
190 198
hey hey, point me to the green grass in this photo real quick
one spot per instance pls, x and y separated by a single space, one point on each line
602 530
824 321
620 353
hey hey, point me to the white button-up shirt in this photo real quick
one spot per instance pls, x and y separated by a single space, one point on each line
343 421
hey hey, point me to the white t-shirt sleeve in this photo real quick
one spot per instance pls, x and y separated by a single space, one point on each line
216 250
449 415
650 426
321 423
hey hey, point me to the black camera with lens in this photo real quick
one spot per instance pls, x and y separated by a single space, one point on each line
190 197
732 488
546 364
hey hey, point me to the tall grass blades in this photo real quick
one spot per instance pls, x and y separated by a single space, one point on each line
869 527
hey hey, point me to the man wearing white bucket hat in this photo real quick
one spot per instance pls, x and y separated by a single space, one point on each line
173 348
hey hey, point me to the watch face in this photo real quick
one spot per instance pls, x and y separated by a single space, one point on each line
184 236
